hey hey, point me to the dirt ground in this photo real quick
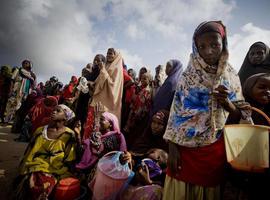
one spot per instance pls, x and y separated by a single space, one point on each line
10 155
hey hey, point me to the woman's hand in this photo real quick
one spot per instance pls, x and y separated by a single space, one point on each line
101 65
144 173
174 158
126 157
221 93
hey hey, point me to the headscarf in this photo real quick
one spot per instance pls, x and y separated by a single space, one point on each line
40 113
250 83
109 86
247 91
113 121
167 89
6 71
161 76
68 112
196 118
83 87
247 69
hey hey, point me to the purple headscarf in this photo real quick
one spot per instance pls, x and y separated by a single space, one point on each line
164 97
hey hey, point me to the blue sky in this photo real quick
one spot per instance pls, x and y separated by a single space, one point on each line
62 36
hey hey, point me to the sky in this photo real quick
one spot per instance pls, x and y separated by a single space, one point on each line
61 36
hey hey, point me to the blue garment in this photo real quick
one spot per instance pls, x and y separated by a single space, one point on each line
164 96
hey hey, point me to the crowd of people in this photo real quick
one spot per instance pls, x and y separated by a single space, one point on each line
167 129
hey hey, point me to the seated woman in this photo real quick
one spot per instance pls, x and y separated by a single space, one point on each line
153 135
106 137
149 176
49 157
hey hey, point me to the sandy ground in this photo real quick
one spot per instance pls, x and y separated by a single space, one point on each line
10 155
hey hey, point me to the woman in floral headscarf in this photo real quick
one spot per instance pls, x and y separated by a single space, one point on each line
208 95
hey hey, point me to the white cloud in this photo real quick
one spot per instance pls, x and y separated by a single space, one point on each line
62 36
132 60
134 32
239 43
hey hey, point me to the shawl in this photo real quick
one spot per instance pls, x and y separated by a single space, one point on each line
109 87
195 116
83 87
40 113
247 69
167 89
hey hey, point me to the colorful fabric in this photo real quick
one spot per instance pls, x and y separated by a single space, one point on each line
83 87
88 126
204 166
41 183
174 189
41 112
195 117
52 156
139 108
153 167
247 69
68 112
167 89
111 141
24 82
147 192
109 87
68 90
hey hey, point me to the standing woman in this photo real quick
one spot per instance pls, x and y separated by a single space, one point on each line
173 70
256 61
24 82
108 88
207 96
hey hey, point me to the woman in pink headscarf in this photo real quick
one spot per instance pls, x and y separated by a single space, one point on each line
107 137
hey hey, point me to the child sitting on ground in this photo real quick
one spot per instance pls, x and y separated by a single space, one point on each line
49 156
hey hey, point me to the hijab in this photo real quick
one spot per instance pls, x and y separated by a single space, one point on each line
167 89
247 69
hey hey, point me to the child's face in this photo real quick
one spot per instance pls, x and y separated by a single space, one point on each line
210 47
261 91
159 155
58 114
256 55
168 69
104 124
26 65
145 80
157 126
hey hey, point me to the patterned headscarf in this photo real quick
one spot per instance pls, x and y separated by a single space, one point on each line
68 112
196 118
